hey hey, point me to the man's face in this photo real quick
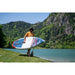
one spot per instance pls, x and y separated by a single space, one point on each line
31 31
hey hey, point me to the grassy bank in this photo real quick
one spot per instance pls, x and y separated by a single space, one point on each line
9 56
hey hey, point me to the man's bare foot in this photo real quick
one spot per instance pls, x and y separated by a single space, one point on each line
28 55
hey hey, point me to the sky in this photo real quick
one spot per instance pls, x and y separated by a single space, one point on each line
26 17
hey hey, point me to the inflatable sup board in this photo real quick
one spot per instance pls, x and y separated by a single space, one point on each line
29 42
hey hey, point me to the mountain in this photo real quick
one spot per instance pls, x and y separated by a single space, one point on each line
15 30
58 30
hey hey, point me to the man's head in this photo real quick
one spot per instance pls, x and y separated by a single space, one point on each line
31 29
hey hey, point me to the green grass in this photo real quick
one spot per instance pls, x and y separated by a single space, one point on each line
9 56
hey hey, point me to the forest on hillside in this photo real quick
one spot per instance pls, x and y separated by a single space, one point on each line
58 30
2 38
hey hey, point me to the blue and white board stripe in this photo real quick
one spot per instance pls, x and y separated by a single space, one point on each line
30 42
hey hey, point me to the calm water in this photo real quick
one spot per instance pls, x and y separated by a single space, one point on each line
60 55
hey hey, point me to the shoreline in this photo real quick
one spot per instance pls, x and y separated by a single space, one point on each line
10 56
35 56
44 59
43 48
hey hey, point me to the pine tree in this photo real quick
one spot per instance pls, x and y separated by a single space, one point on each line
2 38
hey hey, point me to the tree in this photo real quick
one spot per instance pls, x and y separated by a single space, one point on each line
2 38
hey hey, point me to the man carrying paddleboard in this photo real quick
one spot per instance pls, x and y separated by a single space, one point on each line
29 34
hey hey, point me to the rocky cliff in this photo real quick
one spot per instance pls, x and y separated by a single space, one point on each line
62 19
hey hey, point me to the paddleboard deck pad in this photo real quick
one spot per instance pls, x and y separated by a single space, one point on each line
29 42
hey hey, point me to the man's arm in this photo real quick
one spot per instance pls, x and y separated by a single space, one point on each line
24 38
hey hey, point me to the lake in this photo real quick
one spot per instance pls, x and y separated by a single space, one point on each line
57 55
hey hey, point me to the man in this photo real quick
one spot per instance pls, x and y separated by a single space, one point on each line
29 34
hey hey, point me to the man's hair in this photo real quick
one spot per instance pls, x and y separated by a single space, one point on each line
31 29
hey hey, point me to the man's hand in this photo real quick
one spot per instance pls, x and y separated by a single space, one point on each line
24 42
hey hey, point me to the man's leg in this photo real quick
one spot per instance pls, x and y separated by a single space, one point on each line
28 53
